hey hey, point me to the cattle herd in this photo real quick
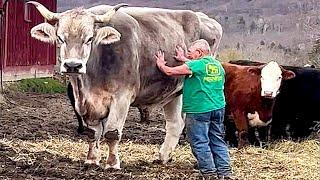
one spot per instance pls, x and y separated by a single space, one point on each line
295 108
107 52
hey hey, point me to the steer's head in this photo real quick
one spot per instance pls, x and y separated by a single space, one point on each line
76 33
271 77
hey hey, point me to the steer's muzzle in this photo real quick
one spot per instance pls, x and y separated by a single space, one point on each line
72 67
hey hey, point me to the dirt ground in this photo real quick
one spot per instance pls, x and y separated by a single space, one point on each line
38 140
37 118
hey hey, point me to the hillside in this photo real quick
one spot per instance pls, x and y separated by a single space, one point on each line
257 29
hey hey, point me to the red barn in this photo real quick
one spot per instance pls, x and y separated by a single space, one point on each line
20 55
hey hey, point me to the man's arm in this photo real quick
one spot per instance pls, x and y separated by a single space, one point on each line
175 71
180 54
171 71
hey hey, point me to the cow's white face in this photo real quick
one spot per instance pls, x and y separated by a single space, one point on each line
76 35
271 77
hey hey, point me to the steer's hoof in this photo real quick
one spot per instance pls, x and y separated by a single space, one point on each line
146 122
115 167
80 130
94 162
84 130
243 144
159 161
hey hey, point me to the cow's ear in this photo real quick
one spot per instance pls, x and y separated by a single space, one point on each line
286 74
44 32
107 35
254 70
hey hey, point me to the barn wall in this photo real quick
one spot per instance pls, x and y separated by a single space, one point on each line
25 57
1 39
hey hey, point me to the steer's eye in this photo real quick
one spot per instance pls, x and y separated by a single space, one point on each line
279 78
89 40
60 40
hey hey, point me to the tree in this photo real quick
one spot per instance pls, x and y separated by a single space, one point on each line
241 24
314 55
253 27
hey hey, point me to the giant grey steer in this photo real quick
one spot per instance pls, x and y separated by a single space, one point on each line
108 55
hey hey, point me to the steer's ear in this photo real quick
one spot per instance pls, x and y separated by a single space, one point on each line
286 74
254 70
107 35
44 32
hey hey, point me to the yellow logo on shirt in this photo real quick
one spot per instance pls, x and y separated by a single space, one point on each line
212 70
213 73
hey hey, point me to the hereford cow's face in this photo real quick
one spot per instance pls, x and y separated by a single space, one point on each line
271 77
76 35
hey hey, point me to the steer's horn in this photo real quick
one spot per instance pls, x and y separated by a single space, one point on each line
108 15
44 11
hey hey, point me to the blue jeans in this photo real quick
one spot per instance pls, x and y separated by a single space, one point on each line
205 132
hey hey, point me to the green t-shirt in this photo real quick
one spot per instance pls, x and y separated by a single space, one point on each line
203 90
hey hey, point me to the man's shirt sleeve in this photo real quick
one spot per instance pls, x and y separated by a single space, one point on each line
196 66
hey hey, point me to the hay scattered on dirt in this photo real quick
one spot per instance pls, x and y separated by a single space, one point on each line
38 140
285 160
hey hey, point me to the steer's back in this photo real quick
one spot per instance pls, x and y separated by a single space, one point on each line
162 30
154 29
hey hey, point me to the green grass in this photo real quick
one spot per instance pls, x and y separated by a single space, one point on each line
40 85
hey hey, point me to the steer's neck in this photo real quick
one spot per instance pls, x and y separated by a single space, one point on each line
77 82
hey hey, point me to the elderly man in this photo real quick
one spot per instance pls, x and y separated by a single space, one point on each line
204 105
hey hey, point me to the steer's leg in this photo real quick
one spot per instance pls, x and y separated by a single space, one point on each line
113 128
70 93
113 160
144 115
242 126
93 156
230 131
174 127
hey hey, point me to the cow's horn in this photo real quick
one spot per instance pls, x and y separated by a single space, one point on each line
44 11
108 15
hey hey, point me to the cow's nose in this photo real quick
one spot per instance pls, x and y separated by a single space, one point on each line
72 67
268 94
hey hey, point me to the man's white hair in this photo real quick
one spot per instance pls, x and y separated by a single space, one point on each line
203 45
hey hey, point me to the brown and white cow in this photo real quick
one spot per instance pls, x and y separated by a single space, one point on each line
109 58
250 94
